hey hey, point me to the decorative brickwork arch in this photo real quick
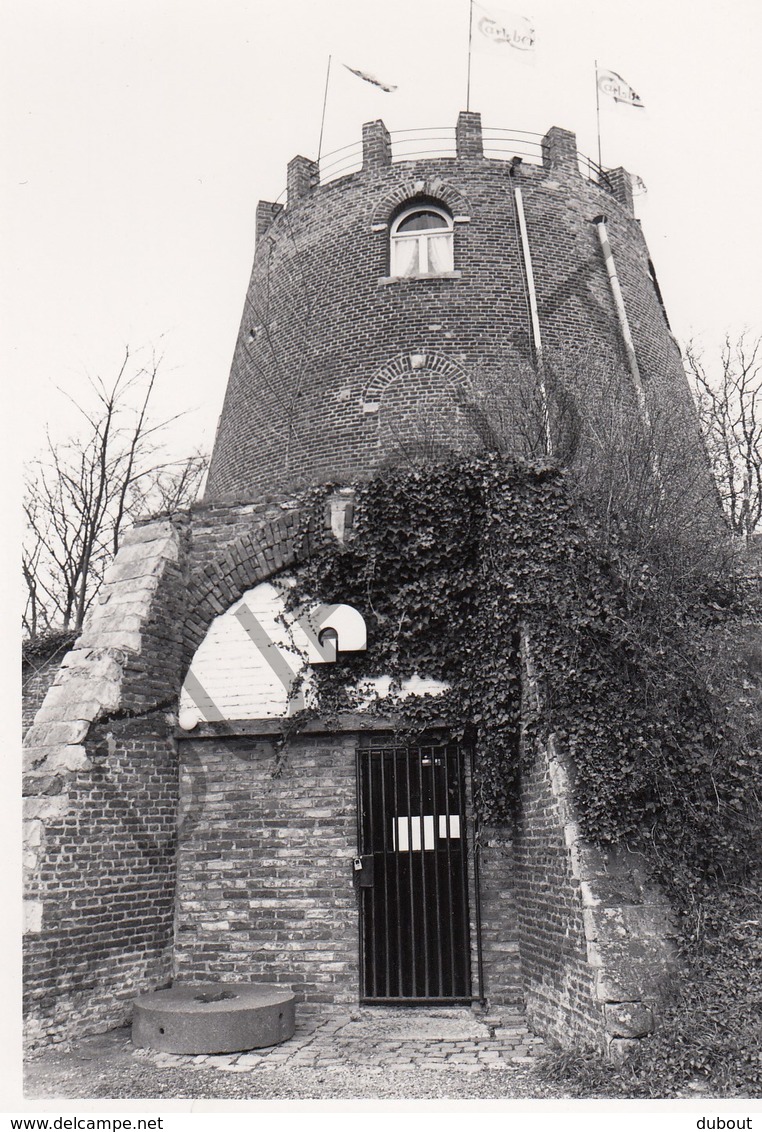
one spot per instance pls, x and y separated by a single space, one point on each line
420 403
432 187
406 364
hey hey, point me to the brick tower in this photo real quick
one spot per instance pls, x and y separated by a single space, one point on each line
407 301
411 303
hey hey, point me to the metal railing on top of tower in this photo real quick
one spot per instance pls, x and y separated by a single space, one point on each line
427 141
590 169
502 145
340 162
430 142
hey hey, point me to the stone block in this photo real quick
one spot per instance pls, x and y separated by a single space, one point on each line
31 833
164 546
122 597
588 895
613 890
120 615
605 923
74 709
587 862
628 985
126 639
51 734
149 532
559 777
649 921
100 679
145 568
630 963
66 759
32 917
571 833
619 1049
101 663
628 1019
46 809
39 784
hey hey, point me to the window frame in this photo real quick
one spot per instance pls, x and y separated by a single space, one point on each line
421 240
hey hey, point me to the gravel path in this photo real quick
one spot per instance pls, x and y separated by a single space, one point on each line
130 1082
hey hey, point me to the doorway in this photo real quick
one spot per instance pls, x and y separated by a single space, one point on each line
413 873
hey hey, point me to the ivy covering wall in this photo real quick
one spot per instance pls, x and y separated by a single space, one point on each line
453 564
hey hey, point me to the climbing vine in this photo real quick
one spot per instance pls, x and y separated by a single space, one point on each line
477 571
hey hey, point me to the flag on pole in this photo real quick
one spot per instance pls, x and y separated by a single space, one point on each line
370 79
612 84
502 29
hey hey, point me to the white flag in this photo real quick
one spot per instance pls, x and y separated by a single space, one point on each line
502 29
614 85
370 79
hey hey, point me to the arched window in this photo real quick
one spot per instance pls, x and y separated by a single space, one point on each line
421 241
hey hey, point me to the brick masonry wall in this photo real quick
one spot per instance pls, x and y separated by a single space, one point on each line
322 320
586 935
559 982
499 917
105 885
265 889
265 849
100 785
596 934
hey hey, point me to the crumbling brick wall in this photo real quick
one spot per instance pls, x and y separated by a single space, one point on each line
100 785
266 842
40 662
595 933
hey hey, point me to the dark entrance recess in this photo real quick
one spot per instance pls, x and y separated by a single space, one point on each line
413 874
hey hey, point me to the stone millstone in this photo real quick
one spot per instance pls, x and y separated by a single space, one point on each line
213 1017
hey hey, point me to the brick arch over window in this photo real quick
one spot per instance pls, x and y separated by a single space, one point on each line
432 188
410 364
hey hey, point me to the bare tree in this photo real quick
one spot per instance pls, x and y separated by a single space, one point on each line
729 400
83 493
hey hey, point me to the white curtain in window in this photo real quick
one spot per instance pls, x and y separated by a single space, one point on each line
405 257
440 253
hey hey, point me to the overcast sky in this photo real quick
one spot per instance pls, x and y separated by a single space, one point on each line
141 133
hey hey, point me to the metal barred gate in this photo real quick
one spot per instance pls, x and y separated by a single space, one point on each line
413 874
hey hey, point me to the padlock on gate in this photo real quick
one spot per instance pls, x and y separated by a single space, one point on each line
362 868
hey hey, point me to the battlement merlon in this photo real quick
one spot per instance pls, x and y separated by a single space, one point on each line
559 155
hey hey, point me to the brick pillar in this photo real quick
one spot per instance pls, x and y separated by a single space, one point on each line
559 150
376 145
266 213
621 187
468 135
303 175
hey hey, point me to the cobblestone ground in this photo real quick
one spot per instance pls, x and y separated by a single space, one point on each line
373 1052
385 1037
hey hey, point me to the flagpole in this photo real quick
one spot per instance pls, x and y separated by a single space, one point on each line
470 36
325 102
598 114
